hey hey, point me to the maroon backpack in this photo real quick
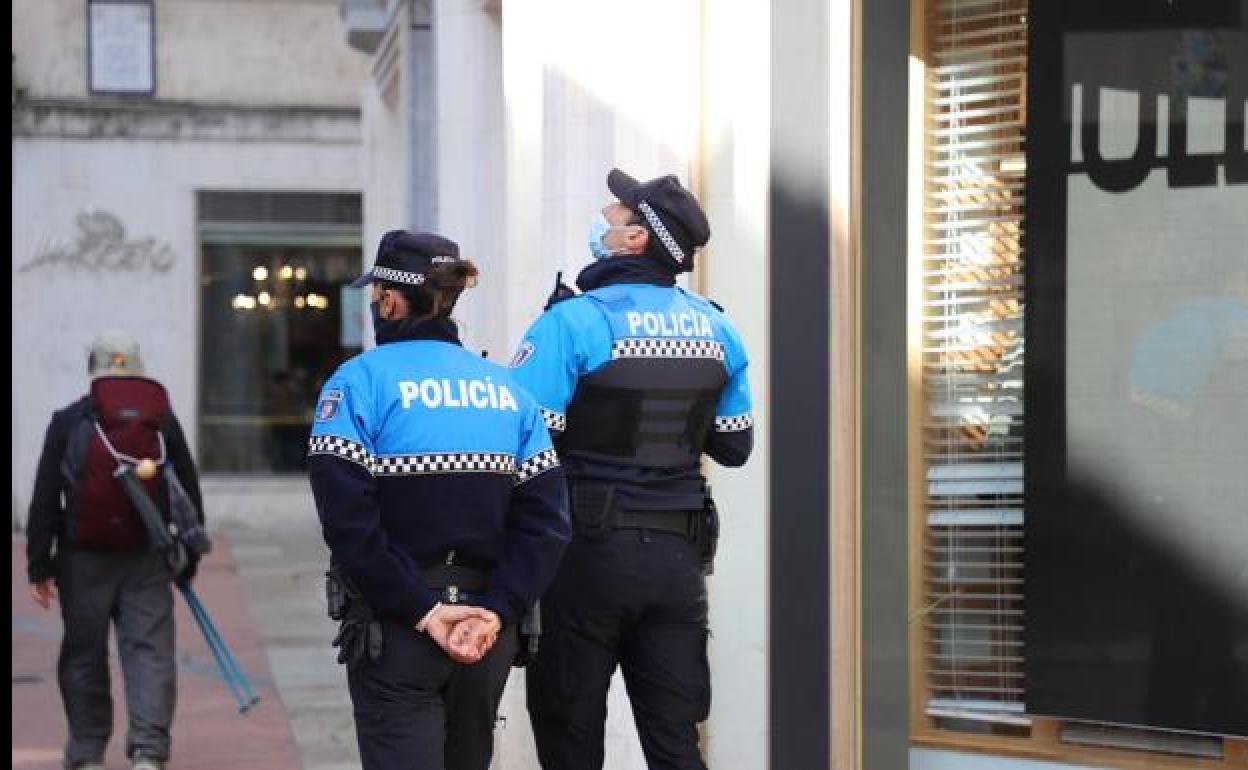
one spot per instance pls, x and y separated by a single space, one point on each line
126 414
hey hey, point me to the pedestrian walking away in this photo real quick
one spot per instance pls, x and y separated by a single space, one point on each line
117 451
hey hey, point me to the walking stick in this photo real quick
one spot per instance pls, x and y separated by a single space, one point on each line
233 675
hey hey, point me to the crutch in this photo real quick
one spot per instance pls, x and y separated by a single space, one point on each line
176 557
233 675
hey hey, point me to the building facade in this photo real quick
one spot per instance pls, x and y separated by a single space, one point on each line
189 173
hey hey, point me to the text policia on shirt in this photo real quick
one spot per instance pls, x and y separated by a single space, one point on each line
457 394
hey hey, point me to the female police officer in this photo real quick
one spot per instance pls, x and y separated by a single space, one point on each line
443 506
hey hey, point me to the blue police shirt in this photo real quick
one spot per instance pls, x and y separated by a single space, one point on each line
633 320
420 448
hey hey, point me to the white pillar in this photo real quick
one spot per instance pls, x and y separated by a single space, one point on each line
471 186
734 169
386 149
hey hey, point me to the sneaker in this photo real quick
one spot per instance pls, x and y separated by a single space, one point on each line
145 763
89 766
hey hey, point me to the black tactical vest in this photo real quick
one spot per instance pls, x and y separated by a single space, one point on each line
646 412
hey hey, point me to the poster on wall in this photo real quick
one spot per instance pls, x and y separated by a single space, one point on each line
1136 542
121 43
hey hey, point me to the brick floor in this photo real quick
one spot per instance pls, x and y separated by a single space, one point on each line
208 731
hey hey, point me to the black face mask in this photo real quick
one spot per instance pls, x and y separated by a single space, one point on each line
606 272
383 330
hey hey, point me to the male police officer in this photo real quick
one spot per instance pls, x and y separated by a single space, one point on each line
444 506
637 379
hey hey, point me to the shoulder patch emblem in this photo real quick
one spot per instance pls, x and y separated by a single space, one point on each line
328 407
523 354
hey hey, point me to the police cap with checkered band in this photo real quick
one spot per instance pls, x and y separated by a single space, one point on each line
407 257
671 214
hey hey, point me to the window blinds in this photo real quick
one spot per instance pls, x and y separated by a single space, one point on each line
972 361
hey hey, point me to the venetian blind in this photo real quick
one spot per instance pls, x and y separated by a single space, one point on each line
973 361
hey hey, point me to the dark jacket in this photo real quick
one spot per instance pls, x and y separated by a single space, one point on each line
404 476
47 534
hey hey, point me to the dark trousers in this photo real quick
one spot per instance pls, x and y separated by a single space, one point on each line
416 709
638 600
132 592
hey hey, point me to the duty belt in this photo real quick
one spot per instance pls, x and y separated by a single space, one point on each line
683 523
455 582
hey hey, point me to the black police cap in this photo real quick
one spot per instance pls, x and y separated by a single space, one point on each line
407 257
670 213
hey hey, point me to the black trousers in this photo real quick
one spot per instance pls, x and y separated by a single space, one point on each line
131 593
638 600
416 709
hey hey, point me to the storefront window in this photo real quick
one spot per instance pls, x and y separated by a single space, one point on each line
1086 181
1137 553
277 319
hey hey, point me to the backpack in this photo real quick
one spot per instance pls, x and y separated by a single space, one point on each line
110 509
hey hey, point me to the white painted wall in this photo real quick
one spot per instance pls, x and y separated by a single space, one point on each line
151 187
734 173
386 149
257 52
575 107
471 184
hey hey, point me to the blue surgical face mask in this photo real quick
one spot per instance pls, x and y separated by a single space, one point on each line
598 228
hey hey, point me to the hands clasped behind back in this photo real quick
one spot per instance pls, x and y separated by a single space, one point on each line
464 633
43 592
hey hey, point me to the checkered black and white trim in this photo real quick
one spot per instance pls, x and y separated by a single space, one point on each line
554 420
537 465
341 447
734 423
648 347
661 230
444 462
398 276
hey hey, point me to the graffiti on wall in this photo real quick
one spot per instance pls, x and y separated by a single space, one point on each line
101 244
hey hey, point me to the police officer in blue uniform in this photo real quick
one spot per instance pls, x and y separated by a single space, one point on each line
637 379
444 507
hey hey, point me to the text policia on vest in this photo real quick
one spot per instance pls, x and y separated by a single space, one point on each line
688 324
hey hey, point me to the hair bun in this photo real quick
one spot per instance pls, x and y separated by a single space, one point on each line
454 276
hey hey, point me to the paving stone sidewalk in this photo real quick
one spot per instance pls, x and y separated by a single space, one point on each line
208 732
